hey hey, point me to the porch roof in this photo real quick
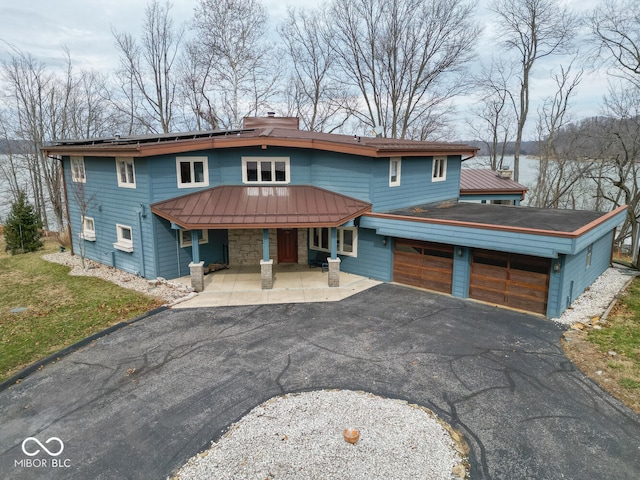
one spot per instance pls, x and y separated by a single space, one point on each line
260 206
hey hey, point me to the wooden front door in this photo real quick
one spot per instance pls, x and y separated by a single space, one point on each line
287 245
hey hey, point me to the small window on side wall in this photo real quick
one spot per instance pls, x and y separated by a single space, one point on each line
125 238
88 229
589 255
439 172
395 164
185 238
126 172
192 172
77 170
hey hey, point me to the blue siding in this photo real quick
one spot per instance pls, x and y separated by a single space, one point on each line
415 186
528 244
109 205
344 174
576 276
374 259
461 272
173 261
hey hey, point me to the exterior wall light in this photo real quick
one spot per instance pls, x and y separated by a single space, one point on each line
556 267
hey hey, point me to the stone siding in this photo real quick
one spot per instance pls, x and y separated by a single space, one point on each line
245 246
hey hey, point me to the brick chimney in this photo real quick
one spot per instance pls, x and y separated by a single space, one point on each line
271 121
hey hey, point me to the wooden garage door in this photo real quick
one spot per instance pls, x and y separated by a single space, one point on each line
518 281
423 264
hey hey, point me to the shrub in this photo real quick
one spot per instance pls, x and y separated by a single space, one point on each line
23 228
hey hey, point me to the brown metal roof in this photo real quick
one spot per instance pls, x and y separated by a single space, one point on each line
271 136
473 180
260 206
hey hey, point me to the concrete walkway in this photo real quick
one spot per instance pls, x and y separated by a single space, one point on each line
139 402
241 285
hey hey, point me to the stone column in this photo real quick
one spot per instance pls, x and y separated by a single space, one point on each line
334 272
266 273
197 275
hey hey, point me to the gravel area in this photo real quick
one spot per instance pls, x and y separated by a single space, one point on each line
171 293
595 300
298 436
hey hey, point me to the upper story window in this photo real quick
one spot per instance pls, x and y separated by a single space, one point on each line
126 172
88 229
439 172
319 239
266 170
192 172
125 238
77 170
394 171
185 238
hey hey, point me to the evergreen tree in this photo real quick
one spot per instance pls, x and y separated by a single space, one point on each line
23 227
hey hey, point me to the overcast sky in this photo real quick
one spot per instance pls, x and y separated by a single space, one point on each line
43 27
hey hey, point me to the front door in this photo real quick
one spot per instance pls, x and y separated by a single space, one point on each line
287 245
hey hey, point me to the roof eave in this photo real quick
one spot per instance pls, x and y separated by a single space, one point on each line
191 145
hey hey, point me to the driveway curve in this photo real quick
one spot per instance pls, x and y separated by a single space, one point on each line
139 402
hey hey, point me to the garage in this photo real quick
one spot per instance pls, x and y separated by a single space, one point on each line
513 280
423 264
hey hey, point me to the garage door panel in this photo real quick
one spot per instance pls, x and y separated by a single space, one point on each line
518 281
527 291
490 272
437 262
529 278
423 264
487 295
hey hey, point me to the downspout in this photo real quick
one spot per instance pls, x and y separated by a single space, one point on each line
141 214
66 198
178 252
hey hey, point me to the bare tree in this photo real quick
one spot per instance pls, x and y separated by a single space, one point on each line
148 69
533 29
315 95
84 203
35 94
615 25
618 180
494 116
402 57
242 71
563 172
196 75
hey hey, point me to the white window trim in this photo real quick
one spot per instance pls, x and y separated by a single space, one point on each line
340 233
204 238
273 160
88 234
192 160
123 244
75 178
436 160
396 182
129 183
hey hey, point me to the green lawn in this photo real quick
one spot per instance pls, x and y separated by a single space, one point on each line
621 334
60 309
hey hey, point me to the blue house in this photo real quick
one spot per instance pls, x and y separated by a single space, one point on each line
171 205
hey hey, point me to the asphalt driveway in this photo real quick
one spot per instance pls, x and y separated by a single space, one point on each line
139 402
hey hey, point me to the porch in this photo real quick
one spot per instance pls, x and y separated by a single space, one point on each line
293 283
